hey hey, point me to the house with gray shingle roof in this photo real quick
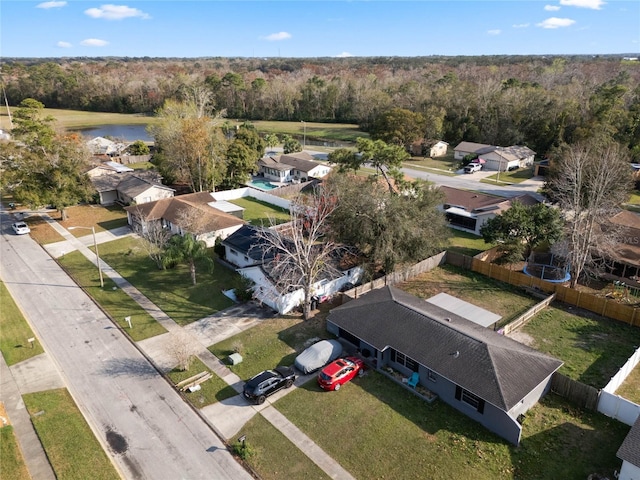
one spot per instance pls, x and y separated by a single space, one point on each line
126 187
487 376
496 158
629 453
291 167
194 213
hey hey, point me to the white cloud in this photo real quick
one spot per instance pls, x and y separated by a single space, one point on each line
275 37
555 22
495 31
47 5
94 42
521 25
551 8
593 4
63 44
115 12
344 55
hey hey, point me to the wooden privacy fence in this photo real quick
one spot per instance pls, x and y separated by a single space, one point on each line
528 315
585 396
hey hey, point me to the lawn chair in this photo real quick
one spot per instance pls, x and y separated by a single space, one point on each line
413 380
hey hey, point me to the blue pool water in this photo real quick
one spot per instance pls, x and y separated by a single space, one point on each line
262 184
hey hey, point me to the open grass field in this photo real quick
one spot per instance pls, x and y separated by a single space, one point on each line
14 331
72 449
467 243
344 132
111 298
271 343
11 461
79 119
259 213
376 429
630 388
170 289
497 297
592 347
274 456
515 176
211 391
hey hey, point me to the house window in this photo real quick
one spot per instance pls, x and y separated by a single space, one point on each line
470 399
233 252
431 375
246 258
402 359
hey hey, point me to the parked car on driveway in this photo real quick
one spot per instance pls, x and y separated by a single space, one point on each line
473 167
318 355
339 372
268 382
20 228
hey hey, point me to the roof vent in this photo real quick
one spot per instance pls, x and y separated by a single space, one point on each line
456 354
447 319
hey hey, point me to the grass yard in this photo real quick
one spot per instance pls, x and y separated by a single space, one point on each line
170 289
211 391
630 388
274 456
13 465
467 243
114 301
259 213
592 347
14 331
271 343
41 231
515 176
445 164
97 216
70 445
376 429
635 197
497 297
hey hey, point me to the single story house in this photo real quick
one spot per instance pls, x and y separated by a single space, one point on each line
496 158
293 167
487 376
629 453
245 248
205 221
429 148
469 211
127 187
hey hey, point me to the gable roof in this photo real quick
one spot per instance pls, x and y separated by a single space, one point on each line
172 210
514 152
629 451
474 202
134 184
474 147
492 366
300 161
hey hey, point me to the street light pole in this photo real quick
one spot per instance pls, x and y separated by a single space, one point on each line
95 246
304 134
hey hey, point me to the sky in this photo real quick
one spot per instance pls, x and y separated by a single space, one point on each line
310 28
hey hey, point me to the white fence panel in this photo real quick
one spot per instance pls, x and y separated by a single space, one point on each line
252 192
619 378
619 408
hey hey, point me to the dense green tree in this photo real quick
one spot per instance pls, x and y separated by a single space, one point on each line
31 126
521 229
290 144
187 249
399 126
138 148
271 140
390 229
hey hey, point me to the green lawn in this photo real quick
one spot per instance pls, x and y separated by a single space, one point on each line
275 457
516 176
170 289
11 460
257 212
467 243
376 429
211 391
14 331
269 344
497 297
439 164
112 299
70 445
592 347
345 132
630 388
81 119
635 198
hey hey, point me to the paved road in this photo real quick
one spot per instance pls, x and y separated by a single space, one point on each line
148 430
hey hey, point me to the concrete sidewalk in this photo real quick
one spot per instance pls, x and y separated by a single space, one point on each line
228 416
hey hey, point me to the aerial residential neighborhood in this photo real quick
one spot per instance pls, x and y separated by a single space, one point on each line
257 251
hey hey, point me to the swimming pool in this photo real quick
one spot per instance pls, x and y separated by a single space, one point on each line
261 185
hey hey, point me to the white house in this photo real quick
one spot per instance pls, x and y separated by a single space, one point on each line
294 167
629 453
104 146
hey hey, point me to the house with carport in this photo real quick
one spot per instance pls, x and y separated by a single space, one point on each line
489 377
196 213
469 211
499 159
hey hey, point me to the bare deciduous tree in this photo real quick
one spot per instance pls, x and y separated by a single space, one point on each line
300 252
589 181
154 237
181 350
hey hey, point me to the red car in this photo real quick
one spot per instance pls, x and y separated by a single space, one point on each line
340 372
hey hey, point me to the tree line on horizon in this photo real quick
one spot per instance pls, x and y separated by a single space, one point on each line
535 101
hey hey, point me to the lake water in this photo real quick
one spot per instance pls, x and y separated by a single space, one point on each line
128 133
